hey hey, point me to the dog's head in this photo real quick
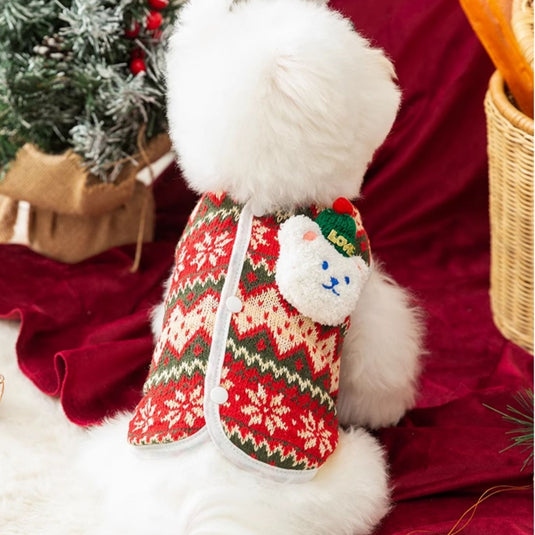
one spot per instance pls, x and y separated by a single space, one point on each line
278 101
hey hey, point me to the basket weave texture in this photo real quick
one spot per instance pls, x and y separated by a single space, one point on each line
510 151
522 24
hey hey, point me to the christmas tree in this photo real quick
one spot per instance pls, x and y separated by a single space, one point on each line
82 74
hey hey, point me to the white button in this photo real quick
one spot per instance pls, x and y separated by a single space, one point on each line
234 304
218 395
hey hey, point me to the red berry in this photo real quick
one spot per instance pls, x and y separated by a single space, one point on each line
137 65
136 53
133 31
154 20
158 4
343 206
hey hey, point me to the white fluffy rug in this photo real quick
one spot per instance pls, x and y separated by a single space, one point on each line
50 484
38 495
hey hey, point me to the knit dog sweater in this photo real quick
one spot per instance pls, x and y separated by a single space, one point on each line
246 357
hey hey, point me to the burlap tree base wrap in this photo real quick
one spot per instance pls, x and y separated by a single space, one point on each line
73 215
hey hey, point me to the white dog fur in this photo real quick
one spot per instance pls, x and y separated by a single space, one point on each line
282 103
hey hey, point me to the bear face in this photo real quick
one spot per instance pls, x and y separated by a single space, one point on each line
313 276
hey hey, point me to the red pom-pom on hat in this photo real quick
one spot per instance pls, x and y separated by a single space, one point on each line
343 206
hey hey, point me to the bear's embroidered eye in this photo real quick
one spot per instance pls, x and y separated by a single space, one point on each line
347 280
325 265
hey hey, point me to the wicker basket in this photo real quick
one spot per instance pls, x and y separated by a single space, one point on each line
510 150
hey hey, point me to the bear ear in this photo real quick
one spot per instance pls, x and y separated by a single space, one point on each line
310 235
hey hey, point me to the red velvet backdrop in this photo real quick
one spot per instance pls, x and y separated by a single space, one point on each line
85 333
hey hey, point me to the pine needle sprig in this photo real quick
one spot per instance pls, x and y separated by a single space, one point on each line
93 28
67 81
520 416
22 21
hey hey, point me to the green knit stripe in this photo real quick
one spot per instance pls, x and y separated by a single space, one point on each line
257 276
194 359
283 369
156 439
193 291
260 449
293 364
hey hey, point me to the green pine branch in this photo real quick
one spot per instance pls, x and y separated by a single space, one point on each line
65 79
521 417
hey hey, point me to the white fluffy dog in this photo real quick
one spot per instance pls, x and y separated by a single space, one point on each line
279 104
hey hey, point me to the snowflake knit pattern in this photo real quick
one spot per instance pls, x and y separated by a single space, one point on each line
280 370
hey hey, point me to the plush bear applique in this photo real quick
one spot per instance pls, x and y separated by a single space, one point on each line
321 268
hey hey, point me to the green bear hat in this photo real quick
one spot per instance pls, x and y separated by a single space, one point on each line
338 226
